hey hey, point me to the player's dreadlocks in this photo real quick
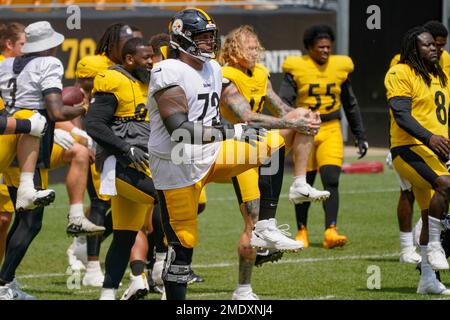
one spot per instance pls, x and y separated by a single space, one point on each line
409 55
110 39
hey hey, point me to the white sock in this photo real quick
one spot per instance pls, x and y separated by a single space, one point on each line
93 265
244 287
76 210
434 229
26 180
406 239
426 270
300 179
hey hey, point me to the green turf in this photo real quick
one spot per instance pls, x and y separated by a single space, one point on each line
367 217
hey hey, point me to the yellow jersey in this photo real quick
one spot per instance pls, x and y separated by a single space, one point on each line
444 61
253 87
89 66
130 93
429 104
319 86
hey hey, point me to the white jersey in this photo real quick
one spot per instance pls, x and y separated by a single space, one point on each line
176 165
24 89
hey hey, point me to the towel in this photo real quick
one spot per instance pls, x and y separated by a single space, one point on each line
108 177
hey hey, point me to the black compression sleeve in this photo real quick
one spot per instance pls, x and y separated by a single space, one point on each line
288 90
3 124
22 125
98 121
401 109
352 110
183 130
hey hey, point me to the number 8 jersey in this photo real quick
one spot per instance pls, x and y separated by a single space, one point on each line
176 165
429 105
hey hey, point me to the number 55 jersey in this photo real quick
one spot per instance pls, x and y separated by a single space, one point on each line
429 105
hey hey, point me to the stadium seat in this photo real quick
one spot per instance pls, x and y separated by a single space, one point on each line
103 4
34 4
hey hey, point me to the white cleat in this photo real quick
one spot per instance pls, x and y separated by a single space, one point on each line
409 255
74 252
6 293
266 235
93 277
30 198
81 226
17 292
303 192
436 256
108 294
137 289
80 249
432 286
244 295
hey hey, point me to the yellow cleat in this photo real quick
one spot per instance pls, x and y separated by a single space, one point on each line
333 239
302 235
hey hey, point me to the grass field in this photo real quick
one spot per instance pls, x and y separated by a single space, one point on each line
367 217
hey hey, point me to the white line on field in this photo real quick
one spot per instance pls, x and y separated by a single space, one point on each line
231 264
283 195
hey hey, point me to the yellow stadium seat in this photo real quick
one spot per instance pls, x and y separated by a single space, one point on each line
34 4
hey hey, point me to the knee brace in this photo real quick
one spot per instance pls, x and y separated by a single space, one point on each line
177 267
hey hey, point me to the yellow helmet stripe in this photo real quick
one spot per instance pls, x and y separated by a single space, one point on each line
206 15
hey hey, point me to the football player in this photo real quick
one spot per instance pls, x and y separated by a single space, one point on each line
246 88
117 120
189 146
33 82
12 38
405 205
320 81
110 43
418 96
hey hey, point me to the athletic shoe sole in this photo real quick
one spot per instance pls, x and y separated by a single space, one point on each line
41 202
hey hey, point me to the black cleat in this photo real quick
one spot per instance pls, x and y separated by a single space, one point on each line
264 256
193 277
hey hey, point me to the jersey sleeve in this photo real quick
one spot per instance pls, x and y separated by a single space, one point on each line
397 82
52 74
164 75
347 64
106 82
395 60
289 64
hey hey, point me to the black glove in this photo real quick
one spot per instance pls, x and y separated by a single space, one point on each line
363 146
138 158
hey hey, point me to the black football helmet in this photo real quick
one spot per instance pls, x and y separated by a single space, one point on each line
188 23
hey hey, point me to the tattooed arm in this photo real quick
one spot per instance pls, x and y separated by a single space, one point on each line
275 104
173 108
56 109
236 105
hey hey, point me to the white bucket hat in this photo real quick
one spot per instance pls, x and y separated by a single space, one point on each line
40 36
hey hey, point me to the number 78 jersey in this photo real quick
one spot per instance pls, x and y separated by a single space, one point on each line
319 86
429 104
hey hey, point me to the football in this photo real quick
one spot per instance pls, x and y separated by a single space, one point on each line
72 95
